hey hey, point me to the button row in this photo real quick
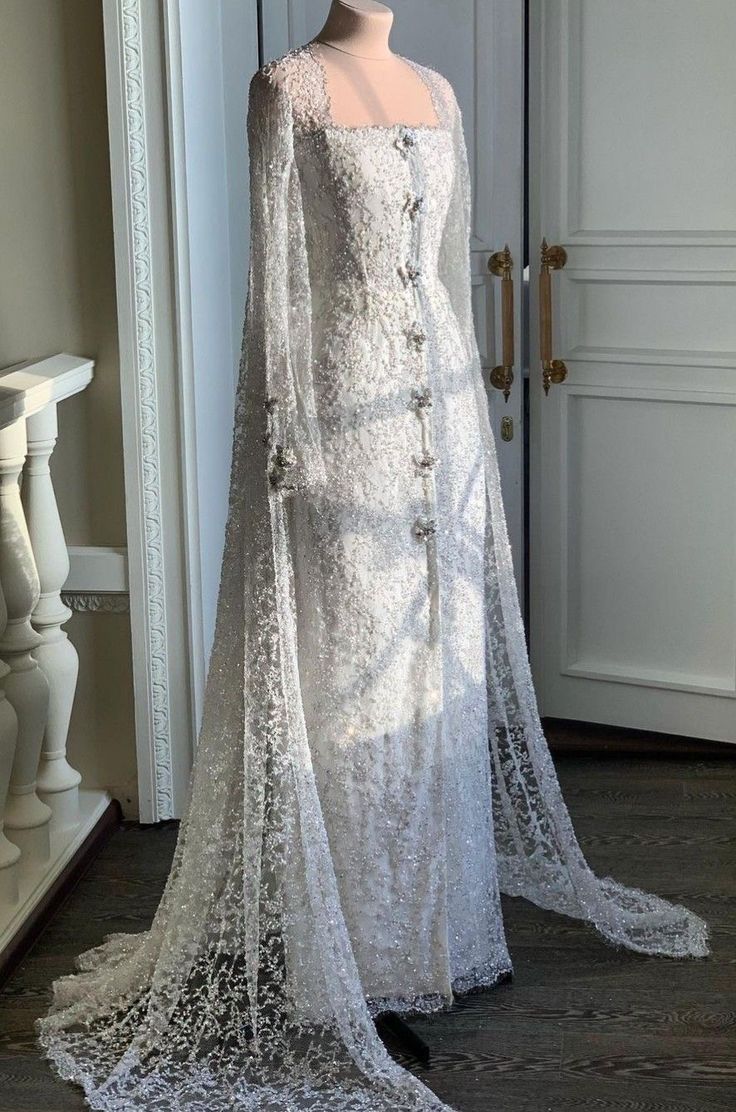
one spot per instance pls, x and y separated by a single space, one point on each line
424 527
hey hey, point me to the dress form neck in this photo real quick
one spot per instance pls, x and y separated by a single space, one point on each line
366 83
360 28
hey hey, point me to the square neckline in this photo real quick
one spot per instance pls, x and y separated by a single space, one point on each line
332 125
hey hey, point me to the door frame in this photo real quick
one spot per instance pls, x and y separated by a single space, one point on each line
143 345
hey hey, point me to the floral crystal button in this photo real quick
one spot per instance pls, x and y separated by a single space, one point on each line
414 205
410 274
282 462
416 337
426 463
421 397
404 142
424 528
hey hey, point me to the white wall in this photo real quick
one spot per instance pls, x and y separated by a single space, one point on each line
239 22
57 293
214 46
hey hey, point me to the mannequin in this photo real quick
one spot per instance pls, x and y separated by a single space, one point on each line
367 83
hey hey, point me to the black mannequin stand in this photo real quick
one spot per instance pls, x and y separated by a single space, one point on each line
394 1031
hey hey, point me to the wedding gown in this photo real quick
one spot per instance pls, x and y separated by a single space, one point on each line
371 766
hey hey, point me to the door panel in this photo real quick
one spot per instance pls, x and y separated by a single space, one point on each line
633 509
478 45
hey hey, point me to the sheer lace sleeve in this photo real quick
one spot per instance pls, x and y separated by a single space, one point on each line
454 265
538 853
278 328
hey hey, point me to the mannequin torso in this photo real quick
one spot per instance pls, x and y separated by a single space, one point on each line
367 83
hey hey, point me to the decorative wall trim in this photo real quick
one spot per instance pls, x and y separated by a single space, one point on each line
128 109
98 604
97 580
96 570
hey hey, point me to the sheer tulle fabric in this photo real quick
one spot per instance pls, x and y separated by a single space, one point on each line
216 1006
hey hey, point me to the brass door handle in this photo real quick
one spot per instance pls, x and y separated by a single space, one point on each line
553 370
501 264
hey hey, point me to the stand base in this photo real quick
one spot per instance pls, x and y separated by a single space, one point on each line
392 1029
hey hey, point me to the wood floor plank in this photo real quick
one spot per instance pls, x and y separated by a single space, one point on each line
583 1026
618 1057
472 1093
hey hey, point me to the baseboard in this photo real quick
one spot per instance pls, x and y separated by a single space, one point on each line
567 736
41 901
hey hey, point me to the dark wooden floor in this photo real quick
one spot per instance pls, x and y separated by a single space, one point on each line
582 1027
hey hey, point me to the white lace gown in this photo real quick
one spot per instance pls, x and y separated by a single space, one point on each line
371 769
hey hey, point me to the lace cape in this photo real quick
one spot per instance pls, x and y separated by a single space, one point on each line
198 1012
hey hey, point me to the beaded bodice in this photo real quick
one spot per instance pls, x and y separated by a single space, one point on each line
373 216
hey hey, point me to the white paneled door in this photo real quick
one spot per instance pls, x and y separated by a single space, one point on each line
479 46
633 461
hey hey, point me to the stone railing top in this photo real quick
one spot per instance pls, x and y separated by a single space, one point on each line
27 388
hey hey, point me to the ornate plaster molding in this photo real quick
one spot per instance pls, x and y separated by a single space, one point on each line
148 415
97 603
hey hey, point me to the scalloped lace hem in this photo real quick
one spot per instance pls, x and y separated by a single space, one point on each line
476 980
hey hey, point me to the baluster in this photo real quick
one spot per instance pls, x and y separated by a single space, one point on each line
26 687
58 782
9 852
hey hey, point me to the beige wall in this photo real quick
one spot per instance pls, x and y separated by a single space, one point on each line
57 293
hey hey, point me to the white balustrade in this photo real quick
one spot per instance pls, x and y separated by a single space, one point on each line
26 687
44 813
9 852
58 783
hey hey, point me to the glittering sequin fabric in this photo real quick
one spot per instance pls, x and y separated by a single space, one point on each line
371 767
